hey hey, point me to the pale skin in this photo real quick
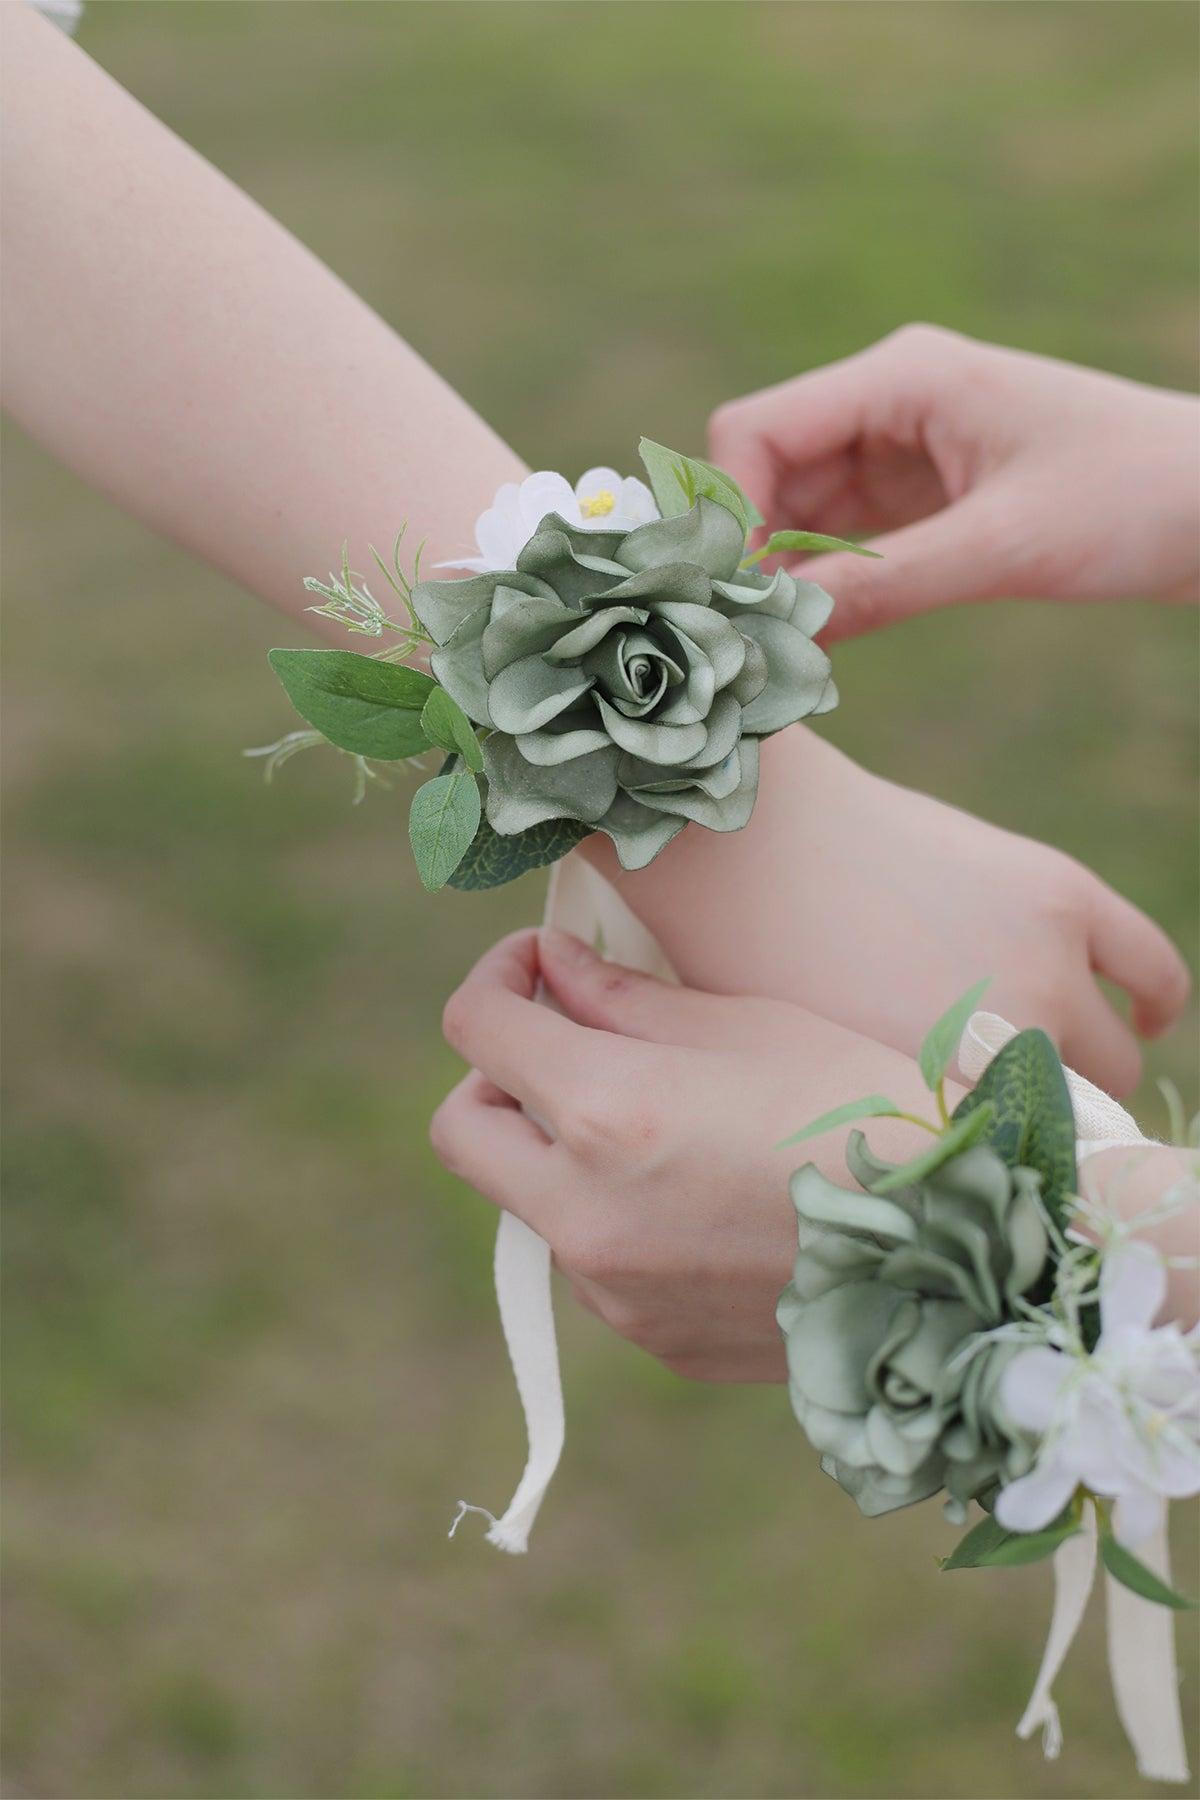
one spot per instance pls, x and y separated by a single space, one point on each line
661 1187
175 346
980 473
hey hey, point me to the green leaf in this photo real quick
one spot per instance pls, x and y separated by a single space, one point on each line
937 1052
446 724
875 1106
959 1136
679 481
442 821
492 860
989 1546
1032 1125
1125 1568
808 541
368 707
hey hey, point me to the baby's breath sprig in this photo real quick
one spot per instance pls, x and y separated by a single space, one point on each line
348 601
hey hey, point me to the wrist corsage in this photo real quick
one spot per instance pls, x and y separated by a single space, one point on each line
967 1324
612 664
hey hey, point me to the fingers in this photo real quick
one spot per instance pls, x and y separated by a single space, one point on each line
1100 1045
495 1023
762 437
782 437
1131 950
609 997
480 1135
953 556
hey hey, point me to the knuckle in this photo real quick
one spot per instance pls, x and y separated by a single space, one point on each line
917 334
443 1138
1176 982
624 1124
456 1018
726 420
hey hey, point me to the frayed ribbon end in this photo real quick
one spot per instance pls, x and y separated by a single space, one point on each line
505 1536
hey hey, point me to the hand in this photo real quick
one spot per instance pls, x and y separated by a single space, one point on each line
992 473
658 1190
877 907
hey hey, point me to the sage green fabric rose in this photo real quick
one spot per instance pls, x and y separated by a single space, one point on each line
627 677
888 1373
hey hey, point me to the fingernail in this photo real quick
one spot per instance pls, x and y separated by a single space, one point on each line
565 947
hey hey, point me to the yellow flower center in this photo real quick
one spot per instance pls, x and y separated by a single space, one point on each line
599 505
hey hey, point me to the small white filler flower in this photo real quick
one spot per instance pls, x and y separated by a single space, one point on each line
601 500
1123 1422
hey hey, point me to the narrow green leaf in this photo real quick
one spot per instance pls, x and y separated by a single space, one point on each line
989 1546
1124 1567
959 1136
937 1052
875 1106
1032 1124
678 481
368 707
492 860
442 822
808 541
446 724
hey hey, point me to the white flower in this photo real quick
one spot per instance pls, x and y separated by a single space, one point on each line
601 500
1124 1421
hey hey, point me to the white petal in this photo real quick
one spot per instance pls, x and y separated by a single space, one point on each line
1133 1286
475 563
1030 1503
1032 1384
636 502
596 481
542 493
498 535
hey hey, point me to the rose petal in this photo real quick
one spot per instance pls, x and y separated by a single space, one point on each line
708 536
521 794
529 692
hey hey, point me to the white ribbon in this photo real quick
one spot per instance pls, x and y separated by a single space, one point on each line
582 902
1141 1636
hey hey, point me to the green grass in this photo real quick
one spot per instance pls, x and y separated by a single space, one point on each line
251 1359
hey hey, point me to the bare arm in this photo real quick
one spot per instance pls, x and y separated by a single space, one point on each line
179 350
182 352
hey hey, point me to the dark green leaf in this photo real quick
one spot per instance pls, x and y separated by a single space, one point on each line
808 542
679 481
875 1106
442 822
1032 1126
937 1052
446 724
368 707
1124 1567
989 1546
493 860
958 1136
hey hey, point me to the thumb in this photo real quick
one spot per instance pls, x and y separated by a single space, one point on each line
609 997
951 557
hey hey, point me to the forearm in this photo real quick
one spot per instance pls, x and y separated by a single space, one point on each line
179 350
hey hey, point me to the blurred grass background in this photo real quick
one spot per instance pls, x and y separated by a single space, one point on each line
251 1357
